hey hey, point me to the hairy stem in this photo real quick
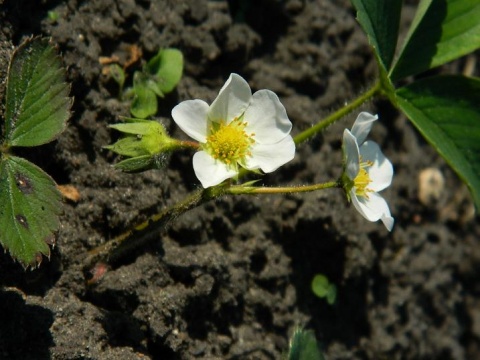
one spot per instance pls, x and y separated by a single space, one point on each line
118 246
337 115
239 189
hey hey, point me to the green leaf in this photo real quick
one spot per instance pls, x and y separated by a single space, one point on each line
443 30
37 102
144 102
320 285
446 110
323 288
118 74
154 85
332 294
167 66
380 20
303 346
29 213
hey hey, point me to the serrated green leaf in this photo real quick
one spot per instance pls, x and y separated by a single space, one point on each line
29 213
380 20
144 102
167 66
446 110
37 102
303 346
443 30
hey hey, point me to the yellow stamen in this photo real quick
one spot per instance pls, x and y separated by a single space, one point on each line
229 143
362 180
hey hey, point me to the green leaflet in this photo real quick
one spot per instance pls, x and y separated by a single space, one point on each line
443 30
144 102
37 108
380 20
31 204
167 66
446 110
37 102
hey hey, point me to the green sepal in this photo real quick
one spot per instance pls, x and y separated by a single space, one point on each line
142 163
146 144
135 164
249 183
130 146
144 137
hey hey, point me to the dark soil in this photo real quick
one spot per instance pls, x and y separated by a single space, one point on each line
231 279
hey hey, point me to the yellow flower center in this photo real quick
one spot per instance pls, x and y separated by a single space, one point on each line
229 143
362 180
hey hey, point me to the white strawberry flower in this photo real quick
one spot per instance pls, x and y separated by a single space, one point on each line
237 130
367 171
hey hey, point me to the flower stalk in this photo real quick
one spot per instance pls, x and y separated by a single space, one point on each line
253 190
115 248
337 115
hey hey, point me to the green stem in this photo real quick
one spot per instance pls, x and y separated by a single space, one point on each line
310 132
116 247
185 144
239 189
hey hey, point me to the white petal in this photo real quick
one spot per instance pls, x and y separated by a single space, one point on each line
270 157
362 125
388 221
191 117
232 100
351 154
267 118
372 208
209 171
381 172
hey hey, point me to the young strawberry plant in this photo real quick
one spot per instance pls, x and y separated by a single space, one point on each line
158 77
